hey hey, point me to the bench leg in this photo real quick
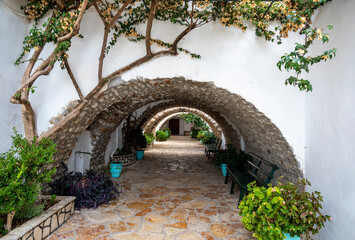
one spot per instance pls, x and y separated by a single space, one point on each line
241 196
226 180
232 187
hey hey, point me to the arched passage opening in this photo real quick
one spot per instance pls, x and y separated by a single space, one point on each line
101 117
151 123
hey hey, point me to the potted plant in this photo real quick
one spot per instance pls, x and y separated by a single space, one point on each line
149 139
231 157
137 141
161 135
122 157
284 211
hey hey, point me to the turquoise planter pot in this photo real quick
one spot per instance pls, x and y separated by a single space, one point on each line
115 169
140 154
224 169
288 237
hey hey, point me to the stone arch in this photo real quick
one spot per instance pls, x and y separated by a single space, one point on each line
164 120
230 131
155 118
102 114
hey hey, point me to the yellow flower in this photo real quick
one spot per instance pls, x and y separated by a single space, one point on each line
301 51
325 57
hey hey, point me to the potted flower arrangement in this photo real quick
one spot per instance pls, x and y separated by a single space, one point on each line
284 211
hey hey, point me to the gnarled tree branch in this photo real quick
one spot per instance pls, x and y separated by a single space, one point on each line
153 7
77 88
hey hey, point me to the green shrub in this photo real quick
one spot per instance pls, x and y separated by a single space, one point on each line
268 212
210 138
23 170
201 135
206 137
29 210
194 132
168 132
3 231
122 151
149 138
161 135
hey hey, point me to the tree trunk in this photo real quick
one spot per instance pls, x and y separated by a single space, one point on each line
10 216
29 121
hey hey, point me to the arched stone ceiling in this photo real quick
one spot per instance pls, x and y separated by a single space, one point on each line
261 136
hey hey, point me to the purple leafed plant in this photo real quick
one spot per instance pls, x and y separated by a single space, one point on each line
90 189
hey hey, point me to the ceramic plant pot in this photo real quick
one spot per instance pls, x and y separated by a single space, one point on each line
288 237
115 169
224 169
140 154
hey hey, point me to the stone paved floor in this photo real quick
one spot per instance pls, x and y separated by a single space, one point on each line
175 192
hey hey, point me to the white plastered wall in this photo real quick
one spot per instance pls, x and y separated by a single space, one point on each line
13 29
330 119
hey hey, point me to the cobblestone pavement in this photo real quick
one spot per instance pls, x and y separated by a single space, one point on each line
175 192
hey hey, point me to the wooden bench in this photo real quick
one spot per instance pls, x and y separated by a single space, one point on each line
256 169
213 148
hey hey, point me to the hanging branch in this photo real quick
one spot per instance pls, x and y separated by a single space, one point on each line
77 88
106 32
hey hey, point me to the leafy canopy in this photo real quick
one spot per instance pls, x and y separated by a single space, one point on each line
272 21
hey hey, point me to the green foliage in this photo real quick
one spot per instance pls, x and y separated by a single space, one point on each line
149 138
287 16
53 198
196 120
161 135
23 170
168 132
298 62
122 151
29 210
269 211
194 132
231 157
206 137
3 231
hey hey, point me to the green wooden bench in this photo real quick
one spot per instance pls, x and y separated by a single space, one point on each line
256 169
213 148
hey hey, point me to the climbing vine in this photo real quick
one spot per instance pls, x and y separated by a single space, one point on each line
58 21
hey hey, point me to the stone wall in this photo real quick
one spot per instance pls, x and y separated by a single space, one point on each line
102 115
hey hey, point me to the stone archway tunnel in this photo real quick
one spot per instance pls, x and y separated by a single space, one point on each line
234 115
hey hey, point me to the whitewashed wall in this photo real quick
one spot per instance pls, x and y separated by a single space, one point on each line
13 29
330 118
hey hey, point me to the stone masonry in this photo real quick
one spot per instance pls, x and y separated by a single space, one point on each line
103 114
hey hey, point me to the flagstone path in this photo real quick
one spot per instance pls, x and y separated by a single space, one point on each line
174 193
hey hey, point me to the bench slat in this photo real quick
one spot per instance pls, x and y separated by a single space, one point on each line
260 169
264 161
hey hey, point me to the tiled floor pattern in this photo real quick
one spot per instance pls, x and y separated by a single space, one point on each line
174 193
